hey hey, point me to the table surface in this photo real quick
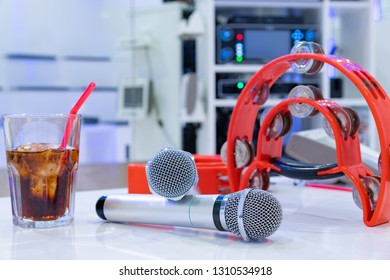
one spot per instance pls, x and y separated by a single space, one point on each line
318 224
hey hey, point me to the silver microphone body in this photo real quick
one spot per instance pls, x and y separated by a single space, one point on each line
191 211
252 213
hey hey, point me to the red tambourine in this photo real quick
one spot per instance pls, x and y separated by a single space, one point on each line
246 167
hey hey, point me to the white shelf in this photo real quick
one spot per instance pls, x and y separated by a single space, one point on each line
268 4
234 68
350 5
221 103
350 101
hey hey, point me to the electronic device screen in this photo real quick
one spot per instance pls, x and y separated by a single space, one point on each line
266 44
259 43
133 99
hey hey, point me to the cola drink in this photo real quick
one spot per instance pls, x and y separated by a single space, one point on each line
42 178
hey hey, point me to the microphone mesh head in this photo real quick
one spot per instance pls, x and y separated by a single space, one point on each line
171 173
262 214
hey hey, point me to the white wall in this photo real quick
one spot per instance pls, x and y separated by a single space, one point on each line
382 47
81 38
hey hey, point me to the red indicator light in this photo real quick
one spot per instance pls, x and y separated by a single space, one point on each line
239 36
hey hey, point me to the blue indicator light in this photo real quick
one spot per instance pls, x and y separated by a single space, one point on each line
226 53
226 35
239 49
310 35
297 35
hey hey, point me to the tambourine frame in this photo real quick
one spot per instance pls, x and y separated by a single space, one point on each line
348 153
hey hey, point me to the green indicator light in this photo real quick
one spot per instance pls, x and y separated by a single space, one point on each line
239 58
240 85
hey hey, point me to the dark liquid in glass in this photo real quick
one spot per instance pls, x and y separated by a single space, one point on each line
41 180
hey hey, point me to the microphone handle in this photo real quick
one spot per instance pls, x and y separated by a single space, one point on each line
202 211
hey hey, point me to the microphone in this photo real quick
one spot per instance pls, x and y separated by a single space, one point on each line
252 213
171 173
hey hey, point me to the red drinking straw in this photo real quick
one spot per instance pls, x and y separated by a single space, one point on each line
74 111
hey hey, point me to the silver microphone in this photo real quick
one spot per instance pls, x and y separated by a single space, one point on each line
252 213
171 173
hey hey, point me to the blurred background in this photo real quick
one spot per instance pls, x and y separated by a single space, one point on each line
168 73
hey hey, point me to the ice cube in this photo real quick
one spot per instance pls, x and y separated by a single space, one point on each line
49 168
37 186
51 187
33 147
43 187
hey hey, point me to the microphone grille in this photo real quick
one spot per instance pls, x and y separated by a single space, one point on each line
171 173
262 213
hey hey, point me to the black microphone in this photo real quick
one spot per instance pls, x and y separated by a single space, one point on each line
252 213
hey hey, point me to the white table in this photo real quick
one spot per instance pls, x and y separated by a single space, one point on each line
317 224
